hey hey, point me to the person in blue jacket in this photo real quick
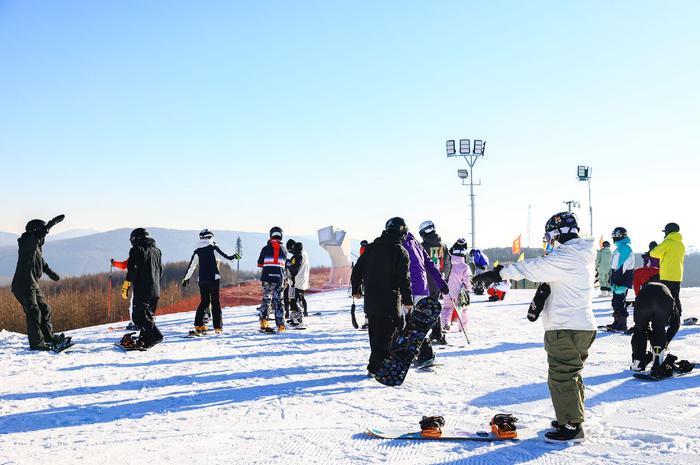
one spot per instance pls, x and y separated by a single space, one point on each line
621 277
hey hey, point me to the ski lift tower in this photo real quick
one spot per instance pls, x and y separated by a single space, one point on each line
339 250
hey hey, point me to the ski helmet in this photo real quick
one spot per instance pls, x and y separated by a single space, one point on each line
561 223
138 234
606 244
671 227
619 233
459 247
33 225
290 244
652 245
206 234
276 231
396 224
364 243
426 227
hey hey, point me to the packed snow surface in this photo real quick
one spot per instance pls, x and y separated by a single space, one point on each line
302 397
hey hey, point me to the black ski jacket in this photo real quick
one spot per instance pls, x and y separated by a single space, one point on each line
145 270
655 298
272 260
383 269
440 255
205 258
30 262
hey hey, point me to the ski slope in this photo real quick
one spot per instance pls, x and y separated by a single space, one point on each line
302 397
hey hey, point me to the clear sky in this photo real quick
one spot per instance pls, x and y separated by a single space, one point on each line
244 115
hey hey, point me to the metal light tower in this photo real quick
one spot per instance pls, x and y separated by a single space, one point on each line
584 174
470 156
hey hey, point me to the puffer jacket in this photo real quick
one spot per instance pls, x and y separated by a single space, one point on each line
671 253
622 266
424 273
568 270
460 276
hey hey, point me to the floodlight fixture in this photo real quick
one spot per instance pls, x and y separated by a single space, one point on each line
464 146
462 174
451 148
479 147
583 172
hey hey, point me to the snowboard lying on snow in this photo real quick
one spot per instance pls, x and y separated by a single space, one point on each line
502 429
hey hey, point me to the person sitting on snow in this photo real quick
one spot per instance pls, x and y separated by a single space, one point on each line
497 291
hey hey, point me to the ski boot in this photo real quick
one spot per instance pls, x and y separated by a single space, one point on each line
640 365
218 330
503 426
431 426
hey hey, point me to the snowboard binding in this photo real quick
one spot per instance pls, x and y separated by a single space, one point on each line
503 426
431 426
128 341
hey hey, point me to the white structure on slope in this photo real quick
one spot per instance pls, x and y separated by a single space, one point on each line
339 250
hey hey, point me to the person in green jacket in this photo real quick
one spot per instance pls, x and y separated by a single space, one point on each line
671 253
603 259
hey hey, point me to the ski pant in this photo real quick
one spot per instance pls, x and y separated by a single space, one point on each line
272 300
619 304
285 299
604 279
209 294
297 305
658 314
380 330
448 309
493 292
38 316
675 321
567 351
144 317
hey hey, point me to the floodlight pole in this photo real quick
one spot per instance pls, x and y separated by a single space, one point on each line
470 157
585 174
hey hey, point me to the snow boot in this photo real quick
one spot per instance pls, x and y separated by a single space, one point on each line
263 325
132 327
281 328
426 356
570 432
640 365
665 369
442 341
619 323
201 329
218 330
432 426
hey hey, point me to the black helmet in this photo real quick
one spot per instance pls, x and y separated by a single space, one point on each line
652 245
138 234
671 227
33 225
276 231
561 223
364 243
290 244
459 247
205 234
606 244
619 233
396 224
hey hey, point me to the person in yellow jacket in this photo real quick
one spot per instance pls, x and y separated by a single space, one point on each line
671 253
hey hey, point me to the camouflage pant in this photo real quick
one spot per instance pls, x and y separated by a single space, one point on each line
272 300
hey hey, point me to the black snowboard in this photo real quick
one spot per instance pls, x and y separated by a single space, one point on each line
405 345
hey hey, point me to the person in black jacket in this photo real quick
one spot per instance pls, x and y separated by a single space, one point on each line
25 284
143 274
272 260
209 278
289 278
383 270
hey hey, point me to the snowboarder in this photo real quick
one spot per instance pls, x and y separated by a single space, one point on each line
602 267
458 281
384 271
424 272
143 274
209 280
648 260
497 291
656 306
25 285
272 260
671 255
481 264
621 278
299 272
288 278
440 255
567 316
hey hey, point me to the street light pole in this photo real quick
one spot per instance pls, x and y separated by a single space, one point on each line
470 157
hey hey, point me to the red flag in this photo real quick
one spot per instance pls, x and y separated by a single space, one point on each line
516 245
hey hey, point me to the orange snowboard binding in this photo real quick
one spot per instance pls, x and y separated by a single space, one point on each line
503 426
431 426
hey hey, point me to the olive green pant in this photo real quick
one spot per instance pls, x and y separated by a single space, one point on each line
567 350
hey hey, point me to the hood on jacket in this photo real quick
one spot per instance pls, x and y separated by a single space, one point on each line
675 236
432 238
389 237
205 243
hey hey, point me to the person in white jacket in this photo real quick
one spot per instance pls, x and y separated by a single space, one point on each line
567 316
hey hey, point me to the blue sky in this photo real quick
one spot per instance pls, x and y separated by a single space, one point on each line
244 115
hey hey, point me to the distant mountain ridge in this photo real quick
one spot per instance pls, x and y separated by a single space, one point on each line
91 253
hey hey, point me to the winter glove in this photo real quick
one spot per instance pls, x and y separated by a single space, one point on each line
125 289
537 304
236 256
185 281
54 221
52 274
445 290
489 277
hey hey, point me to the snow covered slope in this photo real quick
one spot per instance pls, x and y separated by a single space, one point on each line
302 397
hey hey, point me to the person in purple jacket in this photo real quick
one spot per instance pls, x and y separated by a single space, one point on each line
421 269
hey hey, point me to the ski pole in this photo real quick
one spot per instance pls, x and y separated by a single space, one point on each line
464 331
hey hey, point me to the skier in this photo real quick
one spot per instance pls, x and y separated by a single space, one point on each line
567 317
383 270
621 278
602 267
424 272
272 260
209 280
481 264
144 274
440 255
648 260
671 255
25 286
458 281
656 306
299 271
